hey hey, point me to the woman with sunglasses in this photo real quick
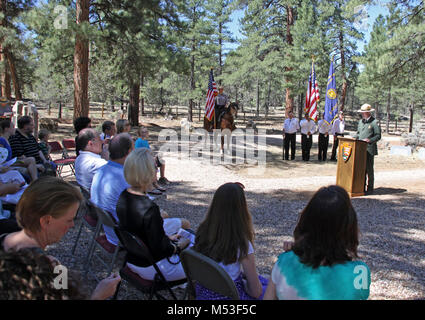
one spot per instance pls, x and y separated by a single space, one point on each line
227 236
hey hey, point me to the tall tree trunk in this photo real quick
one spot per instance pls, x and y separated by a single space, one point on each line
220 52
300 106
142 80
411 109
133 111
388 109
268 97
289 100
5 81
81 63
5 78
344 78
161 93
258 97
192 69
15 80
192 82
112 104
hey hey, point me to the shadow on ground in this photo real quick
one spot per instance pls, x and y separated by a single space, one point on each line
389 228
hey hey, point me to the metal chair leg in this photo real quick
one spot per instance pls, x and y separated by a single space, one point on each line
78 238
92 247
114 258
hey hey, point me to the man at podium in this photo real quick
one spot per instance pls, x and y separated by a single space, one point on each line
369 131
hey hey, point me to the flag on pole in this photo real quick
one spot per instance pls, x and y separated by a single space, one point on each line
312 97
331 102
211 93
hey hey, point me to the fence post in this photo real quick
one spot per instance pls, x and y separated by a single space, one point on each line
177 112
49 108
103 109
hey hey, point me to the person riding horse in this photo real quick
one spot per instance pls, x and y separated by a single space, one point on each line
221 102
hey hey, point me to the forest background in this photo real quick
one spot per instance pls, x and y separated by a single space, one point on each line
159 53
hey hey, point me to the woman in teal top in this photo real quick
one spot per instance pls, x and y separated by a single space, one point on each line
320 263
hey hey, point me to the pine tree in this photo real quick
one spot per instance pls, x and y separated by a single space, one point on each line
10 11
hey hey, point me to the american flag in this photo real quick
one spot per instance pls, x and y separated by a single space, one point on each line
312 97
212 90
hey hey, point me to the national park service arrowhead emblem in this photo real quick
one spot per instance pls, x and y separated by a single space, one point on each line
346 151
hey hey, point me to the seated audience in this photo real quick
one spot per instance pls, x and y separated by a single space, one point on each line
20 269
43 136
79 124
109 182
46 212
108 131
23 143
141 216
320 264
142 142
89 159
123 125
25 165
12 177
227 236
8 221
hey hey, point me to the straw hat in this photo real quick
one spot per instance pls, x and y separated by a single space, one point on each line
366 108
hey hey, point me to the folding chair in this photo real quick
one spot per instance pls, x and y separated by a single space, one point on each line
68 145
136 247
100 241
60 163
89 219
208 273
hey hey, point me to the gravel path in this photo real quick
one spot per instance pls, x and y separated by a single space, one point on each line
392 221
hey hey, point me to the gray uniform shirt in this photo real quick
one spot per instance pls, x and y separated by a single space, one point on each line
222 99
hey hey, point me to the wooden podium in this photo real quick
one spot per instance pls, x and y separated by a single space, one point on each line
351 169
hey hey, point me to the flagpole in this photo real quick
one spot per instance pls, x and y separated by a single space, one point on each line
212 68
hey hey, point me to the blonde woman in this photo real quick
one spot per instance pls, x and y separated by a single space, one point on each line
141 216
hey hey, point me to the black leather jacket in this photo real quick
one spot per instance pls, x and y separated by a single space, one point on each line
141 216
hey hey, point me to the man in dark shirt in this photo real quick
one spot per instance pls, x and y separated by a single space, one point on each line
23 142
368 130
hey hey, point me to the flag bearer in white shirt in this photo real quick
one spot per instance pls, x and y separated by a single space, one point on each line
338 128
308 127
290 127
324 128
